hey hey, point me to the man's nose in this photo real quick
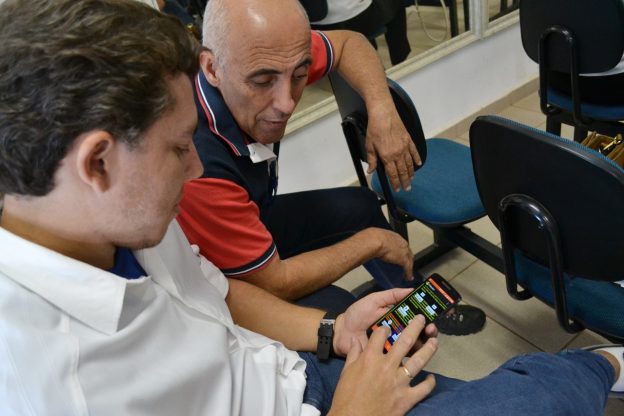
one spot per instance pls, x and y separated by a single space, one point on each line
283 100
194 168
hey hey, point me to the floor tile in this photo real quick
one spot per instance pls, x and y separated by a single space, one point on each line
566 131
450 264
534 321
530 118
475 356
486 229
530 102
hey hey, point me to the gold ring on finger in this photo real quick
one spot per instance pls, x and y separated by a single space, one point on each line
407 373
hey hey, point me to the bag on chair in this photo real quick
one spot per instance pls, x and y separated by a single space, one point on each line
611 147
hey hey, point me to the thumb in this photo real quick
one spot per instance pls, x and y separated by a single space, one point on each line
371 157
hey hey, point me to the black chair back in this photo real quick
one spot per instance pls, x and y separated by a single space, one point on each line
353 112
596 26
354 116
578 188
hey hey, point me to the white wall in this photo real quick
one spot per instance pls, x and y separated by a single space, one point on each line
444 92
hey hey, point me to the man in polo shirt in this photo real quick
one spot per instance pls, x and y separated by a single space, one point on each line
105 309
260 56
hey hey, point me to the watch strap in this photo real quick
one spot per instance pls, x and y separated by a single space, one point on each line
325 346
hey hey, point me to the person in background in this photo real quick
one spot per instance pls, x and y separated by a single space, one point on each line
259 56
370 18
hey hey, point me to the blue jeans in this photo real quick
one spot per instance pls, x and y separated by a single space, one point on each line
569 383
304 221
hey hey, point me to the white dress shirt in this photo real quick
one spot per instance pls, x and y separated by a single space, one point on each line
77 340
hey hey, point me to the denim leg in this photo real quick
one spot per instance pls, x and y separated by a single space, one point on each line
570 383
329 298
387 275
322 379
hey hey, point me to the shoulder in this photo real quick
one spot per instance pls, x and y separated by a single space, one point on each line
322 56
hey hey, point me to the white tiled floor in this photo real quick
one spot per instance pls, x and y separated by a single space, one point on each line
513 327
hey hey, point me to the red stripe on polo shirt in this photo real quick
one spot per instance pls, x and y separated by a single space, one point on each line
322 57
218 216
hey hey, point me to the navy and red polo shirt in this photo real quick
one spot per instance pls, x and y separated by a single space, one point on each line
220 211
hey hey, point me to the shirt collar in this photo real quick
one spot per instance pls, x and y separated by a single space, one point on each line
214 112
87 293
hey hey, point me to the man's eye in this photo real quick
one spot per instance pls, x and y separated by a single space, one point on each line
300 76
262 82
182 150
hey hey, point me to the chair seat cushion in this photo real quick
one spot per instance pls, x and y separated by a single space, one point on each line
595 304
596 111
444 191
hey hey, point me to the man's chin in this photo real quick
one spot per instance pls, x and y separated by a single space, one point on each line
270 136
147 241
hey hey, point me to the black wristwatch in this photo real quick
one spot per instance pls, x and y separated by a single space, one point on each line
325 346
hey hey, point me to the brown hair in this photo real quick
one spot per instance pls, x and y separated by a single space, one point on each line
68 67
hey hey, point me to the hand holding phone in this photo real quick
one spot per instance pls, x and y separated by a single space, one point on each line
433 299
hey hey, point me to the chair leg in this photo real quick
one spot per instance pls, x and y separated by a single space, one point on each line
580 133
553 126
439 247
476 245
399 227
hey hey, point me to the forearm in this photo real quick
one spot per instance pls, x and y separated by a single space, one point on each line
305 273
359 63
259 311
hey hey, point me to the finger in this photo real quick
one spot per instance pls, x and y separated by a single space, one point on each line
411 396
404 176
414 153
378 338
409 162
409 266
421 390
431 331
355 349
406 340
421 357
393 175
371 157
389 297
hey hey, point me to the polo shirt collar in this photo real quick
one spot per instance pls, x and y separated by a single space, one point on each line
214 112
87 293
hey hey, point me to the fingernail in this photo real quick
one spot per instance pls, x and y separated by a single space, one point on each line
409 188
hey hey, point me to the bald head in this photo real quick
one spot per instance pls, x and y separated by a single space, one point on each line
231 23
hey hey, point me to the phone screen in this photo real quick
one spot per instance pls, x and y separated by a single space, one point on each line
433 298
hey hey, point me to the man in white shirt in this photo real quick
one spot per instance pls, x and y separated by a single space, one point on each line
105 309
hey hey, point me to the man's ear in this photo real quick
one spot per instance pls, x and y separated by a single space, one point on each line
208 65
94 159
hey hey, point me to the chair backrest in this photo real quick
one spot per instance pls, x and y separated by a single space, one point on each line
596 27
581 189
352 109
354 116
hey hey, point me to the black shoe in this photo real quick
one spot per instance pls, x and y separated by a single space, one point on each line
464 320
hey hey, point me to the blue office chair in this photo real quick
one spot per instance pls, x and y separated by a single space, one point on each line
559 207
574 37
443 195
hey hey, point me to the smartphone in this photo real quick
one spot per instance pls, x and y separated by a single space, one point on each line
433 298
